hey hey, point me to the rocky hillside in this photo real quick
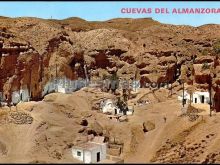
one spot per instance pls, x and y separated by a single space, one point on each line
30 48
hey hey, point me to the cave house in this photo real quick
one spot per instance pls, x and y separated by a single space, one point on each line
90 152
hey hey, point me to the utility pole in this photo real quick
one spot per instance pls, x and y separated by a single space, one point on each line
210 95
135 81
29 98
183 93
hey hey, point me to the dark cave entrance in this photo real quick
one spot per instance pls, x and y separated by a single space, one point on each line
80 70
102 61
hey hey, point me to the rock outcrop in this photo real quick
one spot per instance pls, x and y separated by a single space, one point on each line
34 51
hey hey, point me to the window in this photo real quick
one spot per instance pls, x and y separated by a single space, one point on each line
78 153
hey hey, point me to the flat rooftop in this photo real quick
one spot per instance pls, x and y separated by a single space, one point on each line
86 146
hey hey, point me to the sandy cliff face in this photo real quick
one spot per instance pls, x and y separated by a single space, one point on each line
41 49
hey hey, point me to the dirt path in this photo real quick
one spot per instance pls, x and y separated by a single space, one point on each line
154 139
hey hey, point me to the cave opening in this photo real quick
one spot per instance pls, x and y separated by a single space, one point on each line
102 60
72 63
177 72
80 70
116 52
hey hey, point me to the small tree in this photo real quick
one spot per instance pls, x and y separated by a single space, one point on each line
205 66
205 52
183 78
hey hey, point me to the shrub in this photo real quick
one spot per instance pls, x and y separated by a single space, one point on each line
216 47
205 66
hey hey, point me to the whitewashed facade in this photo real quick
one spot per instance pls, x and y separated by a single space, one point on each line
63 85
90 152
109 107
24 94
21 95
16 97
197 97
130 110
201 98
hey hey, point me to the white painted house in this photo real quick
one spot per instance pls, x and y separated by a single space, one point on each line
201 97
197 97
108 106
90 152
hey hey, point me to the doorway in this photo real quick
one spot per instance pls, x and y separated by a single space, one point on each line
202 99
98 156
195 100
115 111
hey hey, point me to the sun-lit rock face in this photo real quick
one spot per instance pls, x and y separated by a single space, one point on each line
34 51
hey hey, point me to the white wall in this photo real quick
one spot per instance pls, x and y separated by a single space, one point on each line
90 156
109 106
16 97
45 89
102 149
94 154
74 153
199 95
63 85
196 95
25 94
73 85
51 87
61 89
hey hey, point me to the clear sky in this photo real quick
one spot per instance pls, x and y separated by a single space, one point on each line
99 11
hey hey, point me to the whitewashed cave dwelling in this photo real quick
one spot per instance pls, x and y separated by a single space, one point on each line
90 152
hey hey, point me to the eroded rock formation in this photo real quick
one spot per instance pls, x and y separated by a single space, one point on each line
34 51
